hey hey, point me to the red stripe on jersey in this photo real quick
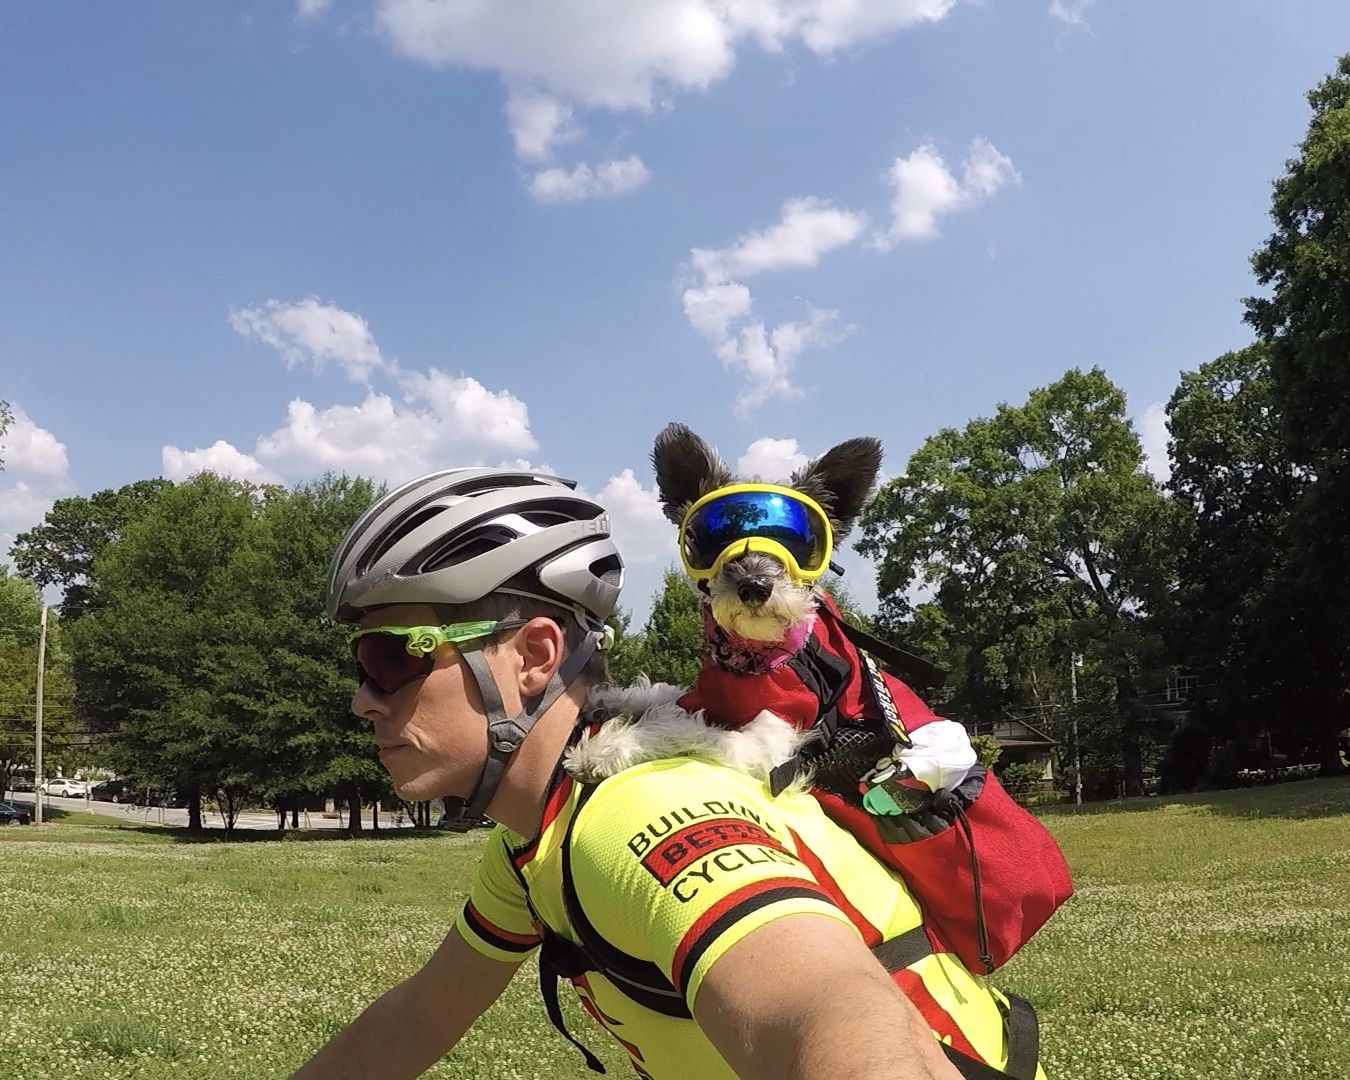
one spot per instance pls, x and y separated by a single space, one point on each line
934 1015
493 928
709 919
870 934
552 809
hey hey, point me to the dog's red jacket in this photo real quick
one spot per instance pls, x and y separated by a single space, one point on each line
825 672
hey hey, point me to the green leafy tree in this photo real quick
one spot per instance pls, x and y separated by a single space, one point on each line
1044 538
673 640
282 672
1233 475
146 653
61 551
1304 322
628 658
6 418
20 616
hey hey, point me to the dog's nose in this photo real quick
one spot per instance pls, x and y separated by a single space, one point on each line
753 591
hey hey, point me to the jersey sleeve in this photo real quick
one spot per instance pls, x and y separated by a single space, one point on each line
496 920
677 863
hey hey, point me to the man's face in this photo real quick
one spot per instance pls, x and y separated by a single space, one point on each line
432 733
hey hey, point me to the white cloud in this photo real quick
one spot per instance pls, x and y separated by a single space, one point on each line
810 228
470 412
313 332
619 55
1153 436
538 123
925 190
220 458
608 180
771 460
36 473
1071 13
720 308
766 358
312 9
32 451
641 530
712 309
445 419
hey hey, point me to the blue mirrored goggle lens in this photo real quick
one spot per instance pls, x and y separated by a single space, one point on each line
746 514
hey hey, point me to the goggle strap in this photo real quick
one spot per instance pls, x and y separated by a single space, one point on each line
506 733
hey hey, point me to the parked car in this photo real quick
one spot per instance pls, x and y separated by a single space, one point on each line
12 815
66 788
114 791
20 782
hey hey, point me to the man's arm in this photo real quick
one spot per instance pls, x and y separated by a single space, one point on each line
802 997
413 1025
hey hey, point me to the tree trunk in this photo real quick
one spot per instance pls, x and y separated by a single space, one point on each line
375 816
194 809
1131 751
354 813
295 816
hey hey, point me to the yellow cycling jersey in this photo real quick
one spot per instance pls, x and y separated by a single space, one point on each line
673 861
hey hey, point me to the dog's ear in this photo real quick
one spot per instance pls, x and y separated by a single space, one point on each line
686 469
841 480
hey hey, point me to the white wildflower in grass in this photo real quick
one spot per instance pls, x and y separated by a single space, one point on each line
1210 937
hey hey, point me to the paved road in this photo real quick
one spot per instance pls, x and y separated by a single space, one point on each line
163 815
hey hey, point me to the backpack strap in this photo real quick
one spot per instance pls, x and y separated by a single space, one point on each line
1021 1028
906 664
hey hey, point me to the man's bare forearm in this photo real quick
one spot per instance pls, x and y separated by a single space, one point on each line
398 1035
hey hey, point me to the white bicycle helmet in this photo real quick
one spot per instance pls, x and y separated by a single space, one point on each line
459 535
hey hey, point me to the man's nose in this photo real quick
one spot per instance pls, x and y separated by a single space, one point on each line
367 704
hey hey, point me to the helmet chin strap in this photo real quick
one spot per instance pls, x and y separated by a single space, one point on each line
506 733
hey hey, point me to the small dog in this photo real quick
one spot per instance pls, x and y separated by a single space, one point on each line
775 641
753 596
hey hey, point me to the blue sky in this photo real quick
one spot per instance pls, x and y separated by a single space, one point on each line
274 239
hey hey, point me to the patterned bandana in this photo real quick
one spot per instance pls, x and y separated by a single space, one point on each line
741 656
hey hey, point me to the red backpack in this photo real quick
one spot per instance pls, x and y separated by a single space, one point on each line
986 873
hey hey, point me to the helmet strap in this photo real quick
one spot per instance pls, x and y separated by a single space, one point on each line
506 733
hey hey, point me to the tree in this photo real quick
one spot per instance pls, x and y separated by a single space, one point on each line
1233 475
146 651
1304 322
62 550
6 418
1045 538
673 640
283 672
20 616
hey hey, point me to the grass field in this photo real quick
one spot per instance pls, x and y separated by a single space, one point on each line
1210 938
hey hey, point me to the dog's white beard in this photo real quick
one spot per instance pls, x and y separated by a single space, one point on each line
787 605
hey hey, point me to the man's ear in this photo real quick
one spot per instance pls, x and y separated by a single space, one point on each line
540 646
841 480
686 469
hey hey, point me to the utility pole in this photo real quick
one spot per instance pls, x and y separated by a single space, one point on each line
1077 756
37 764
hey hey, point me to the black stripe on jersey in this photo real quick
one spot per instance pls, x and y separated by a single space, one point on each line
494 939
733 915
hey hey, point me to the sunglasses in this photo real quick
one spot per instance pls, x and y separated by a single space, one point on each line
741 518
391 657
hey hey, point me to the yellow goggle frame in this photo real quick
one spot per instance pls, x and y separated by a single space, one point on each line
742 545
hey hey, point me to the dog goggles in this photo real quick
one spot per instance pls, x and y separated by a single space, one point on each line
741 518
391 657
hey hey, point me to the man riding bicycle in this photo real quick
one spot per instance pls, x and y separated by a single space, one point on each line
712 929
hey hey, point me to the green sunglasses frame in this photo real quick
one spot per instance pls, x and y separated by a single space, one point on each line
425 640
